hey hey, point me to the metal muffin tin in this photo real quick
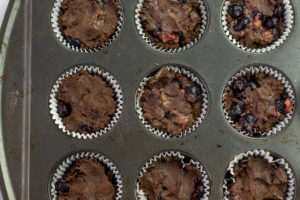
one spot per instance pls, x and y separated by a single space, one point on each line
31 60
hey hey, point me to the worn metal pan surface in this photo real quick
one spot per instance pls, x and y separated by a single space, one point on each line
32 59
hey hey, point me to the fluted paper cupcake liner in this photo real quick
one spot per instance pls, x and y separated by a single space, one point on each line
64 165
288 20
199 120
255 69
60 36
205 179
271 159
109 79
204 22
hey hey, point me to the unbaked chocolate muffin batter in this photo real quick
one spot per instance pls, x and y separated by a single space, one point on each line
171 23
257 179
87 179
171 102
86 103
88 24
256 23
166 179
257 103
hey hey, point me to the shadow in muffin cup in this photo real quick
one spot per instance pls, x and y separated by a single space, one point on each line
288 20
204 24
191 76
64 165
62 39
109 79
271 158
185 161
268 70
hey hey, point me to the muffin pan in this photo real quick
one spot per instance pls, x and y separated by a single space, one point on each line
32 59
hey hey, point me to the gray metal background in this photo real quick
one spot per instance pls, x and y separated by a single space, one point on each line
34 144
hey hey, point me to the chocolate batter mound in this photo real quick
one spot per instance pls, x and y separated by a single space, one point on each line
85 102
171 23
256 23
171 102
88 24
257 103
256 178
87 179
166 179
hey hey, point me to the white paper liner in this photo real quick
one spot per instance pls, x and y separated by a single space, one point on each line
205 179
266 155
63 167
59 35
255 69
204 22
109 79
288 20
199 120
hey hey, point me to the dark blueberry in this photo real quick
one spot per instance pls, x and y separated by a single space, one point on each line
194 91
275 166
63 109
283 96
238 86
168 115
253 85
236 110
276 36
241 96
178 81
249 123
199 190
278 11
244 123
280 105
153 32
73 41
278 30
245 21
250 118
242 24
182 1
258 14
181 36
239 27
86 128
81 175
270 23
164 188
61 186
236 11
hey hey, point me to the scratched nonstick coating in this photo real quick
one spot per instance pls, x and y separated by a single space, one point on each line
32 59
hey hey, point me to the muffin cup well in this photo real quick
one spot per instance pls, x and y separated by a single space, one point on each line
205 180
64 165
199 120
59 35
255 69
271 159
288 20
204 22
109 79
